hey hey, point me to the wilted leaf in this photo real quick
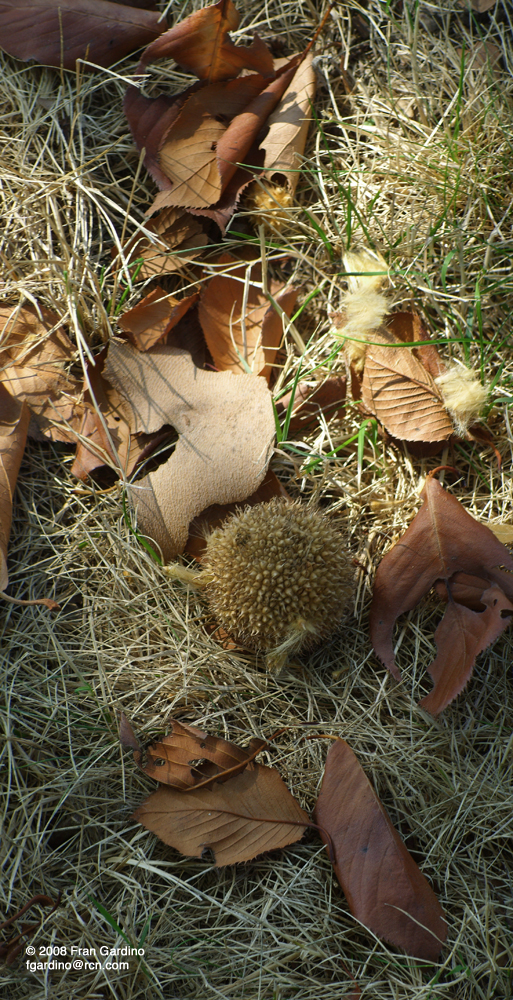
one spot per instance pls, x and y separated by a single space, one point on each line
201 45
180 759
154 316
310 401
400 392
460 636
385 889
34 365
441 543
288 125
14 421
226 428
251 813
55 32
238 342
105 437
171 251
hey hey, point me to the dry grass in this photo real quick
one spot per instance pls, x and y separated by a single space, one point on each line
415 161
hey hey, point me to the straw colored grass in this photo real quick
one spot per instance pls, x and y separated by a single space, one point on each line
410 154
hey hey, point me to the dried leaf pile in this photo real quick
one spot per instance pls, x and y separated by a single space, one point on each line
239 261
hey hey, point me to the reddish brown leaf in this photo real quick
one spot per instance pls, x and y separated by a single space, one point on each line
460 637
14 421
310 401
105 434
441 543
385 889
226 428
214 516
154 316
192 154
201 45
464 589
401 393
58 32
188 756
34 362
236 345
251 813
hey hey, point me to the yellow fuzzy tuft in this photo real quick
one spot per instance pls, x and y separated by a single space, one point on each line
269 205
364 304
463 396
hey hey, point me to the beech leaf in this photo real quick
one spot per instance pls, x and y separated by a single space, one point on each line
401 393
14 421
33 362
442 543
58 32
385 889
180 759
251 813
236 341
226 429
154 316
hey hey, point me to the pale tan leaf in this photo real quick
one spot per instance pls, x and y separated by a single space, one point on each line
288 125
226 428
504 532
251 813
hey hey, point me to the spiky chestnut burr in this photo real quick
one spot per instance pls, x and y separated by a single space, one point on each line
278 578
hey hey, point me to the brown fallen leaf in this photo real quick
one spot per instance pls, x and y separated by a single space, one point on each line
385 889
441 543
195 141
14 421
460 637
236 341
310 401
154 316
201 45
33 367
105 437
288 125
226 429
58 32
247 815
401 393
180 759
